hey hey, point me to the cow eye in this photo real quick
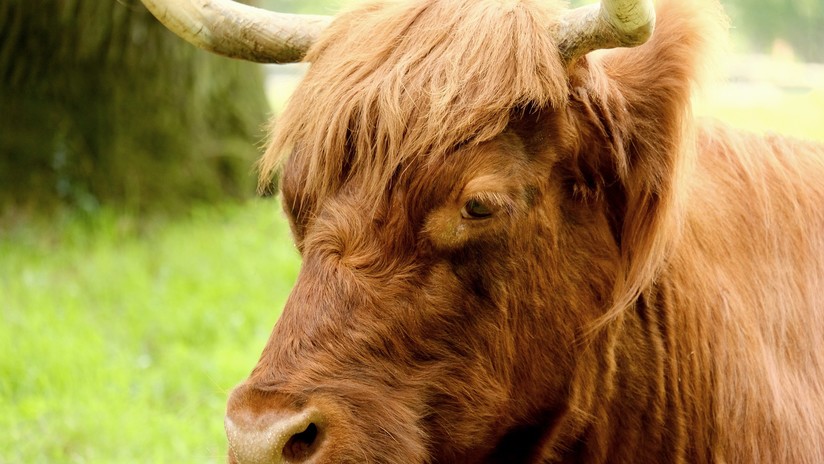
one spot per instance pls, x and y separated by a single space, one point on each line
474 209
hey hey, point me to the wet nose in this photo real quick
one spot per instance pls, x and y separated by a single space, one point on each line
264 432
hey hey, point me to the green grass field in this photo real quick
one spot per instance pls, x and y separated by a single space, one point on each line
799 114
119 340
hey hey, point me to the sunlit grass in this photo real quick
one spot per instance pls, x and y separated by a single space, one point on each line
119 344
766 109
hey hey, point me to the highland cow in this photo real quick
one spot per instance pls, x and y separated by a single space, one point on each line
518 249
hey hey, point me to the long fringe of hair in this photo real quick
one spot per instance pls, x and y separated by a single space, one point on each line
393 82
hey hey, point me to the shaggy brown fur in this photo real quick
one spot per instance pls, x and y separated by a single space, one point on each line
646 289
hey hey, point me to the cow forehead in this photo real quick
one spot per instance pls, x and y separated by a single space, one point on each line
385 88
418 183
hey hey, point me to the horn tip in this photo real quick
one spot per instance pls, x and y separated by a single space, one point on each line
634 22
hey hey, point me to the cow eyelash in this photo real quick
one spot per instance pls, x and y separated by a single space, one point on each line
486 205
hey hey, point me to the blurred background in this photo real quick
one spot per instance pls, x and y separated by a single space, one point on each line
139 274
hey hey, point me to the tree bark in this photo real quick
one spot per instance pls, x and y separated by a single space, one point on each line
101 104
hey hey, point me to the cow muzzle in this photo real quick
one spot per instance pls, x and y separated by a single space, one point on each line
270 432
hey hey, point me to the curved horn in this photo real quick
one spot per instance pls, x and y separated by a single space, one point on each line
613 23
240 31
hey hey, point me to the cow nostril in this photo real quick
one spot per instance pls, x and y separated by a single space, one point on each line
264 429
301 445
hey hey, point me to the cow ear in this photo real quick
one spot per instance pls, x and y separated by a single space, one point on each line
599 162
627 162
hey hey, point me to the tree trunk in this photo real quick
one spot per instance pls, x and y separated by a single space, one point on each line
101 104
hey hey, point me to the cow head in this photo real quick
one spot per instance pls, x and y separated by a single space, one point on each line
457 179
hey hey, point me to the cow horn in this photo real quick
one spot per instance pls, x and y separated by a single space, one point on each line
613 23
240 31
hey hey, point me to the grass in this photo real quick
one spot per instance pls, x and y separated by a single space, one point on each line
767 109
119 340
119 343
